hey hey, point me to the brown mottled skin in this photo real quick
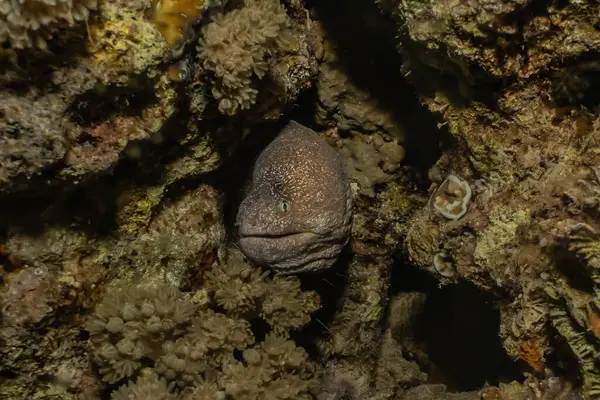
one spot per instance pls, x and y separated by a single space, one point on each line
296 217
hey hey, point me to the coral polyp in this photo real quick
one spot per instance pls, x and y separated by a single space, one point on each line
31 23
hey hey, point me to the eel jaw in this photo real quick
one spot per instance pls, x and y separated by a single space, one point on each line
277 251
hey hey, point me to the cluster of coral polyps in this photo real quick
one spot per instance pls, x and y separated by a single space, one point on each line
190 342
237 47
31 23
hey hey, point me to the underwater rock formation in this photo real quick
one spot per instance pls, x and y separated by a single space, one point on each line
489 71
110 154
366 133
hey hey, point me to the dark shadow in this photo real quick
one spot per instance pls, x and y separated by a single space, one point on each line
330 284
367 51
460 327
578 84
34 68
103 103
572 269
459 330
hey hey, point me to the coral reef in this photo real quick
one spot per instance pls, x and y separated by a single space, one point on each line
105 164
532 388
368 135
25 24
23 150
341 102
114 173
244 292
370 141
488 69
370 160
37 339
496 40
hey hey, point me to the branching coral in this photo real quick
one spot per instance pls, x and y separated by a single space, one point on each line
29 23
237 48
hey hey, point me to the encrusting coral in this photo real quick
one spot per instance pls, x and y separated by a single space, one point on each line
237 48
192 348
29 23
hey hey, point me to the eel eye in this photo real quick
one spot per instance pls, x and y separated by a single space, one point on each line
284 206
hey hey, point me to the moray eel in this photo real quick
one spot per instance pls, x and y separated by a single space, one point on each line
297 214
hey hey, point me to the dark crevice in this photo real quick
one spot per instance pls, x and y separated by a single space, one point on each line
578 83
571 267
562 360
103 103
367 52
35 68
331 285
459 329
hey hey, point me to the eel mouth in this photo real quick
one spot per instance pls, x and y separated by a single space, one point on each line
275 250
275 236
